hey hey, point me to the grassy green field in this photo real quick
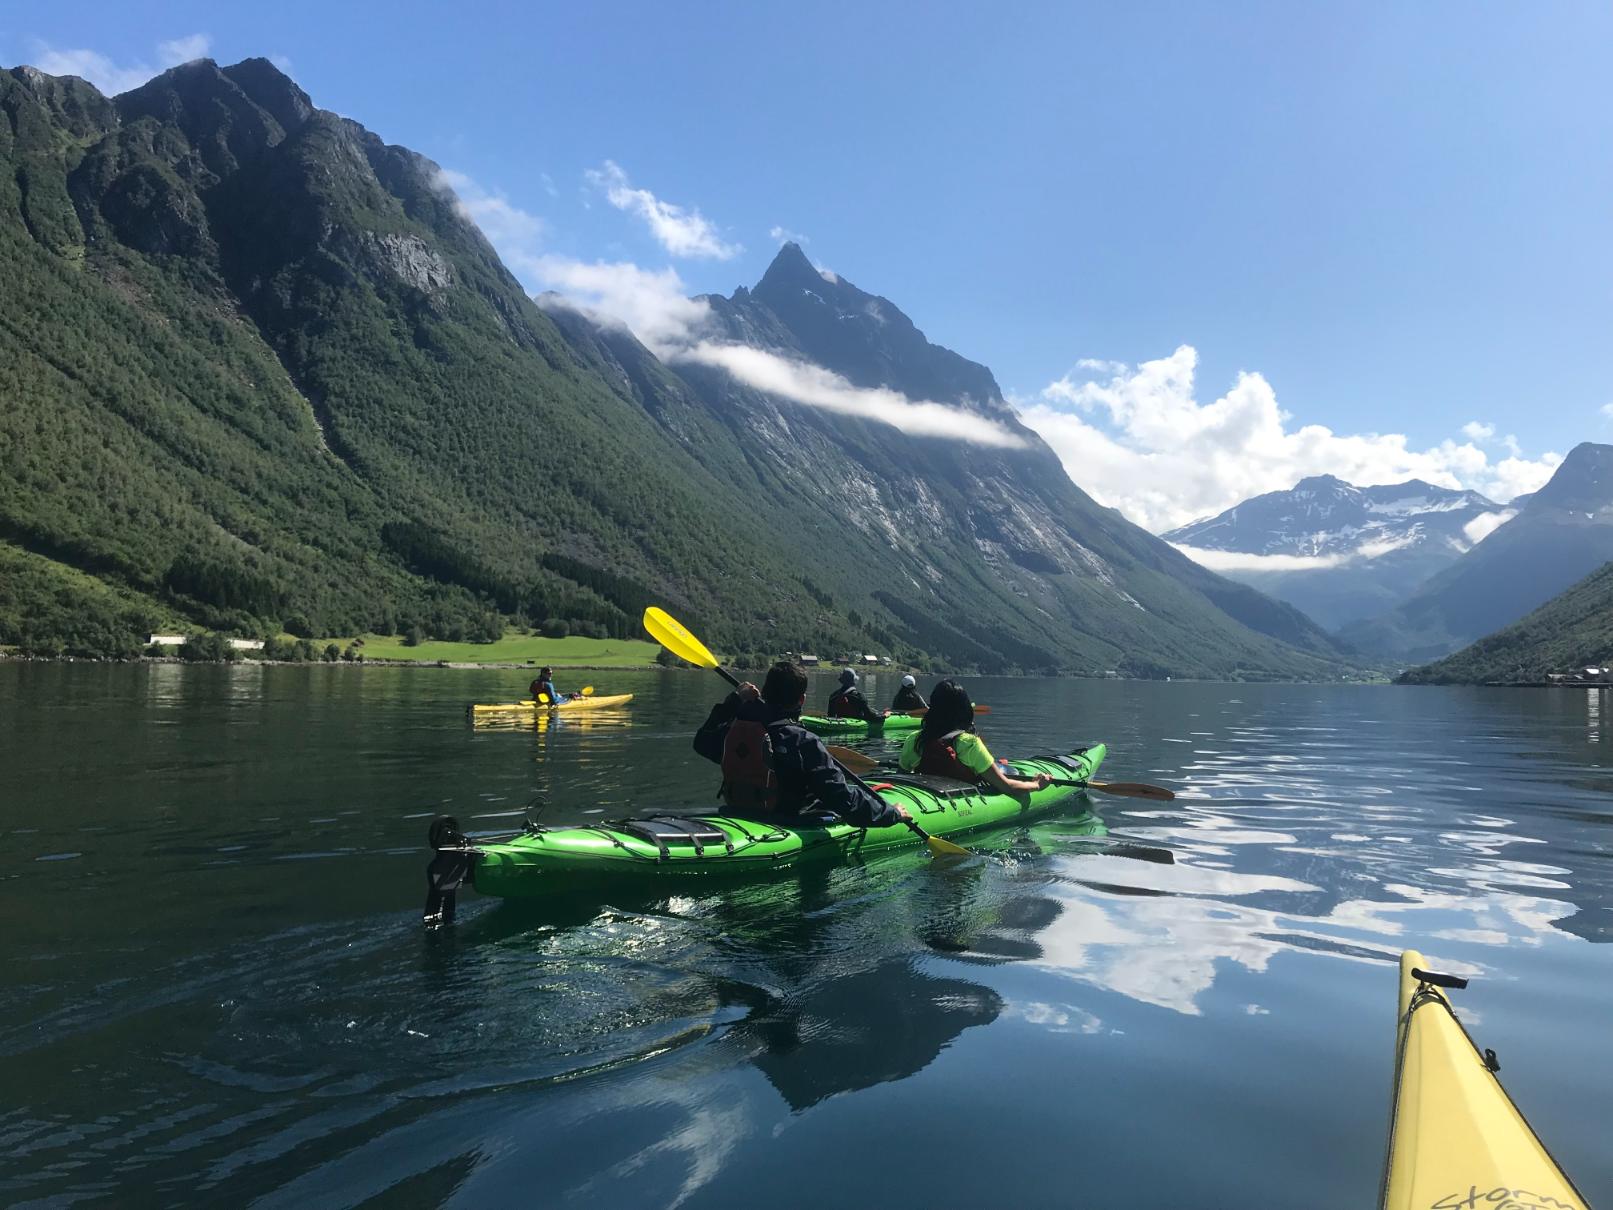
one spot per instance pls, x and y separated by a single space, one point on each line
514 649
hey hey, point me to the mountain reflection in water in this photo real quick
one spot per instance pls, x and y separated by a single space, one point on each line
221 993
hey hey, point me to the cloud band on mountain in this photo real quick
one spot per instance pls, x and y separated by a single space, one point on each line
812 385
1138 439
654 305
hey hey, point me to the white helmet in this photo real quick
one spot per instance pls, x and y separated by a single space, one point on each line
909 681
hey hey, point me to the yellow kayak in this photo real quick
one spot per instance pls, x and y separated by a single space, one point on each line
574 703
1455 1137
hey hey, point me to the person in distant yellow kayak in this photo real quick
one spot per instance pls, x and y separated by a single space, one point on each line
543 686
947 746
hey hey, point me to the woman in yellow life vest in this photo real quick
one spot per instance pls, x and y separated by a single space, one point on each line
947 746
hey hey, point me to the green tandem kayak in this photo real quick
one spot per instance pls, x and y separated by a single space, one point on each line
665 849
819 725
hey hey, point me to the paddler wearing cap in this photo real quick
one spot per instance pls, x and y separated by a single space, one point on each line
848 701
908 696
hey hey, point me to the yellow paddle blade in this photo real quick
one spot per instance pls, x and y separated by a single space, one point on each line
588 691
543 699
945 848
670 633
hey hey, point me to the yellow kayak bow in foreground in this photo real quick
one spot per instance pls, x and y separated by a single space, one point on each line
1455 1137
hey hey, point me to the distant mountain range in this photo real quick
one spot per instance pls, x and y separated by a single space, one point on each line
1561 534
1412 571
262 373
1342 553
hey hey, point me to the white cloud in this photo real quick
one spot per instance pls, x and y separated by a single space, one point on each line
1096 365
653 304
682 232
783 235
1477 430
1607 410
802 382
515 233
1233 560
1137 438
283 62
1485 524
183 50
113 78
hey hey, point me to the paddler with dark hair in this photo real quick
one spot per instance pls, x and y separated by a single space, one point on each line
849 702
947 746
908 696
543 687
774 768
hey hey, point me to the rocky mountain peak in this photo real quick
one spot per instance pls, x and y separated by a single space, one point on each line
1325 486
273 90
865 337
1583 483
790 268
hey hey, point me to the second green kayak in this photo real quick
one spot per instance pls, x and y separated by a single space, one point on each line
666 849
856 726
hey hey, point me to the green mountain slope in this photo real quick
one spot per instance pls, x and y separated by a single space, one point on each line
963 532
260 373
265 376
1569 632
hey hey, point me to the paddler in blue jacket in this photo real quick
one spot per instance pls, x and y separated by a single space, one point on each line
774 768
543 687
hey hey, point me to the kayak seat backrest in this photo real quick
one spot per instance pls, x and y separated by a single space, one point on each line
941 787
664 831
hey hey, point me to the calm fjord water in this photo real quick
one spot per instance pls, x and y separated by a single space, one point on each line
218 992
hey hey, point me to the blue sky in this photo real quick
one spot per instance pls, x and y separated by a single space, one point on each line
1395 217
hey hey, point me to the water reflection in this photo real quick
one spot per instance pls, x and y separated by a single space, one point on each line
232 975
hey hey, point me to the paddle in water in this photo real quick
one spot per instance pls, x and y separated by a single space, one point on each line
852 759
675 637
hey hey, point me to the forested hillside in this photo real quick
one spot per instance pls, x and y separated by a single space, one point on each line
260 374
1567 634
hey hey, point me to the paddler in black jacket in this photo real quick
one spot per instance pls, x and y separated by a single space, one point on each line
774 768
908 696
849 702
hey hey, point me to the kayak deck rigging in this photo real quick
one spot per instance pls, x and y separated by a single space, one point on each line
543 859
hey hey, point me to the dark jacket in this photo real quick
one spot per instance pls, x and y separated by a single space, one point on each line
855 705
809 778
909 698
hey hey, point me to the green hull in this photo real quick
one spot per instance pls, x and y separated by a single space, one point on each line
856 726
655 849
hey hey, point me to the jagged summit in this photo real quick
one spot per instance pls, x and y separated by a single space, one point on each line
865 336
1583 483
790 267
1321 483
